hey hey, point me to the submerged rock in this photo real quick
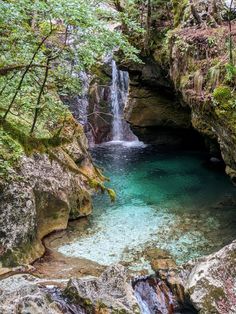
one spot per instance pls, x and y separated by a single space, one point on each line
211 281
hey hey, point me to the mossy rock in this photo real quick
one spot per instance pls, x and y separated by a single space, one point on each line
222 94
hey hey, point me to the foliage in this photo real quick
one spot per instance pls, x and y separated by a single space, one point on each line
70 35
178 9
230 73
222 94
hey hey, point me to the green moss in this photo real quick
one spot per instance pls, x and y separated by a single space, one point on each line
10 152
16 142
100 75
71 293
222 95
27 251
179 9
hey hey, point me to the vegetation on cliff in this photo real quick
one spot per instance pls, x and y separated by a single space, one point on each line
193 45
45 45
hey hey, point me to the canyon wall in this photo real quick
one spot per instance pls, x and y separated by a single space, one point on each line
187 79
48 184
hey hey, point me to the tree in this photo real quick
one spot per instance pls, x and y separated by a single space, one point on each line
44 43
230 9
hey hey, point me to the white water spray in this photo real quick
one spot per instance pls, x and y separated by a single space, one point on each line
117 128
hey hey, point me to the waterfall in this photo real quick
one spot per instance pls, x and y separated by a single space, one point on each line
119 97
100 107
117 131
154 295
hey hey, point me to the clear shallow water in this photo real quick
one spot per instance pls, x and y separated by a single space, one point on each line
164 200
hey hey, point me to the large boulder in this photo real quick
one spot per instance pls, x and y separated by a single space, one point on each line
110 293
21 294
211 282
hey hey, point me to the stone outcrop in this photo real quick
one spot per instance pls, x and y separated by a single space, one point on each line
22 294
157 117
110 293
148 108
210 282
200 12
46 190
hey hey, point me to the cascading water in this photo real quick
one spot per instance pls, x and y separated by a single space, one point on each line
117 134
156 297
119 97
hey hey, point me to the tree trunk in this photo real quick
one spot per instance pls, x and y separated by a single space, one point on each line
37 107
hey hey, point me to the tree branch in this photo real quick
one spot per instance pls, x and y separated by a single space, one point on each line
15 67
37 108
25 72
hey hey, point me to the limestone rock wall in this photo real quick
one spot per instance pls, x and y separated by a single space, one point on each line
46 190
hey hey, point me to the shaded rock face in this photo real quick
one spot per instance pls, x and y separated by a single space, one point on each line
196 73
211 282
99 110
43 195
154 111
149 73
202 12
149 108
110 293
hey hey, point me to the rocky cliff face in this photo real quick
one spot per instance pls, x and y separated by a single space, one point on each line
154 111
191 65
201 72
45 190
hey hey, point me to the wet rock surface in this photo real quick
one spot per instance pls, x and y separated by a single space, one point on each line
156 297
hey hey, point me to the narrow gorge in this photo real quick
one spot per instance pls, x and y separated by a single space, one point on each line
117 161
